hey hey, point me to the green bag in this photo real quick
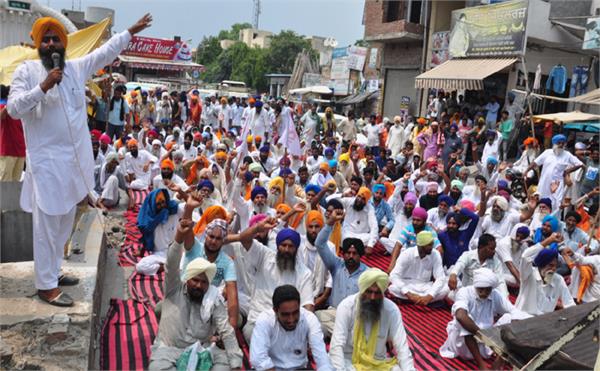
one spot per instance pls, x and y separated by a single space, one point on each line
195 358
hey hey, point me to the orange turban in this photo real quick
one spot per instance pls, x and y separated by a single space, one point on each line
364 192
257 138
314 216
221 155
132 143
324 166
169 145
251 101
211 213
421 120
45 24
530 141
284 208
167 164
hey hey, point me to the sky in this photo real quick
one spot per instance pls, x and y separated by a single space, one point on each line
340 19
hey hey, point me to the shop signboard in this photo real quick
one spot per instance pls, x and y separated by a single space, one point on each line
372 85
163 49
373 58
325 58
356 57
339 52
339 69
490 30
591 38
340 87
311 79
439 48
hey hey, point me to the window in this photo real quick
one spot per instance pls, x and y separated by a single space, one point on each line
392 10
415 12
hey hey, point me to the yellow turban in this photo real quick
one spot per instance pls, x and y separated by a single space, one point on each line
43 25
424 238
198 266
364 192
276 182
329 182
221 155
373 276
344 157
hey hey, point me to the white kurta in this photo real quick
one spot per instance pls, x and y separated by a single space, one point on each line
310 127
411 274
59 150
469 262
390 328
553 168
593 291
135 166
396 139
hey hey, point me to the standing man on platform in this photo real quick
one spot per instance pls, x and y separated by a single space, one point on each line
48 95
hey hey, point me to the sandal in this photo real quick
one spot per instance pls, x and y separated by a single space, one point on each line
61 300
65 280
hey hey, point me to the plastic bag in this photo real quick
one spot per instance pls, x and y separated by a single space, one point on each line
195 358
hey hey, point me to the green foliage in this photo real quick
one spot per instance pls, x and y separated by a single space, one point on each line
362 42
234 32
283 50
208 50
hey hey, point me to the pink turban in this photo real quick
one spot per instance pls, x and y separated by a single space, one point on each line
420 213
257 219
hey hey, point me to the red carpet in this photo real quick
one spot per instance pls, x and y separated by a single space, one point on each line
146 289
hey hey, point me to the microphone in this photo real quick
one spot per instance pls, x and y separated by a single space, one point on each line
56 61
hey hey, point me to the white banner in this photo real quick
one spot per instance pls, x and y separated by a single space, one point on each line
289 138
339 69
356 57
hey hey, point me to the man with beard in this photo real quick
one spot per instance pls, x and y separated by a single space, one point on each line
273 269
501 220
309 256
281 336
189 151
461 225
344 270
365 322
575 238
138 165
484 257
168 180
475 308
396 137
402 217
360 221
456 187
258 119
541 288
192 310
98 157
109 182
555 162
408 236
411 277
436 217
105 145
257 204
510 250
267 162
55 125
383 211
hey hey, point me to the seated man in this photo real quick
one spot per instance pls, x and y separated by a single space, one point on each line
510 250
483 257
157 221
281 336
109 182
257 204
411 277
541 288
383 211
436 217
166 179
455 240
475 308
365 322
137 168
192 311
585 277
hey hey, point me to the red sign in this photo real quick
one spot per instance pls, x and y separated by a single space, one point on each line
164 49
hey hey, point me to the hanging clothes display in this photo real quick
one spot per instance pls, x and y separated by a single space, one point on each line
557 79
579 81
538 77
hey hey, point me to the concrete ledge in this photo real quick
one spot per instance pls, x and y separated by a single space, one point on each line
36 335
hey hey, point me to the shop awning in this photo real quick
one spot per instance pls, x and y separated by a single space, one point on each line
319 89
592 97
459 74
159 64
358 98
565 117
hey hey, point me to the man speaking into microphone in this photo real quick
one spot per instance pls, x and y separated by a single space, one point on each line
48 95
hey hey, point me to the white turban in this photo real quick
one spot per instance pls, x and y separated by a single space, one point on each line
156 142
112 156
484 277
198 266
502 203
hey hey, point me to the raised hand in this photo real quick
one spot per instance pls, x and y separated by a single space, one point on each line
141 24
194 200
266 225
336 216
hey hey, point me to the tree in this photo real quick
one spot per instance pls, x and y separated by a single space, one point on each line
208 50
283 50
362 42
234 32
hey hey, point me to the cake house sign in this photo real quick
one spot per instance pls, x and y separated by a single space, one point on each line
163 49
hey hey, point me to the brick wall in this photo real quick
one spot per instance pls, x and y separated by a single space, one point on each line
374 20
402 54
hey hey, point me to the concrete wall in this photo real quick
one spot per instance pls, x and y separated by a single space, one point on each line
16 228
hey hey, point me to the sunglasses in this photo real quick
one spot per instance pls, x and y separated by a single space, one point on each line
46 39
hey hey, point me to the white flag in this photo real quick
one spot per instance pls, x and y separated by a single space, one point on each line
289 138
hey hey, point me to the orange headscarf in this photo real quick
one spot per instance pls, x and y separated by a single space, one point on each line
364 192
45 24
200 161
167 163
211 213
314 216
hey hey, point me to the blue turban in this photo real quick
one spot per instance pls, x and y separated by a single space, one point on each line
492 160
258 103
502 184
206 183
553 222
288 234
545 257
490 133
258 190
454 126
312 187
445 198
452 215
558 138
248 176
332 163
265 148
379 187
285 172
329 151
546 201
523 230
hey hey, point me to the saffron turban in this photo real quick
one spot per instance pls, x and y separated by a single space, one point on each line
373 276
365 193
199 266
45 24
288 234
324 166
314 216
221 155
132 143
211 213
284 208
484 277
167 163
276 182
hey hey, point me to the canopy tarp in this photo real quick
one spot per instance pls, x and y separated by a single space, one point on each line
80 43
459 74
359 97
319 89
593 97
566 117
589 127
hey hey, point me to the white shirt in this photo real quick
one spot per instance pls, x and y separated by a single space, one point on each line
59 150
553 169
135 165
273 347
482 312
359 222
468 262
535 297
372 133
390 328
224 114
310 127
259 123
396 139
492 150
158 183
320 179
593 291
269 277
411 269
502 228
189 154
507 254
436 220
165 232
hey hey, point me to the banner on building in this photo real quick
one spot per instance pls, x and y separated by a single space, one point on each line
591 38
356 57
325 58
311 79
340 87
339 52
163 49
339 69
373 58
372 85
489 30
439 48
